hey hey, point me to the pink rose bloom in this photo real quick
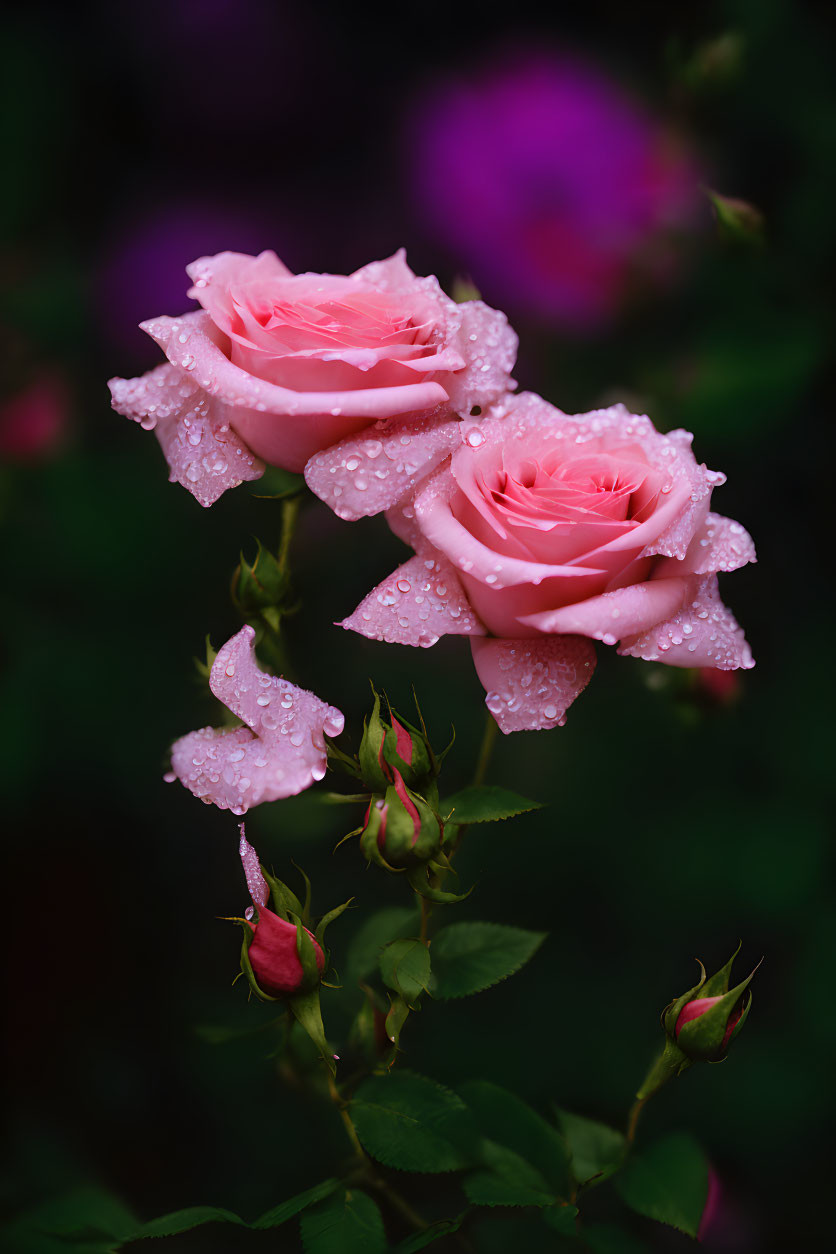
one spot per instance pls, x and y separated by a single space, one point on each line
278 751
277 367
544 531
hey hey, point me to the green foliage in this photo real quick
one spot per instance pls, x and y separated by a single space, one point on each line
596 1150
349 1222
405 967
421 1240
512 1182
363 953
276 484
505 1118
409 1122
610 1239
562 1219
470 957
485 803
667 1182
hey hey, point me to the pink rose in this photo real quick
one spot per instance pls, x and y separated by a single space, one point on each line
545 531
277 367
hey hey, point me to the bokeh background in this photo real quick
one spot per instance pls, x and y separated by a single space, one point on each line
559 162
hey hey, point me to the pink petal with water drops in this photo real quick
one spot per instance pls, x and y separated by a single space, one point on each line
256 883
721 544
371 471
203 454
530 684
421 601
279 753
612 615
704 633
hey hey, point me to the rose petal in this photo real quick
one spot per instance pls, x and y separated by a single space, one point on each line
278 754
372 470
421 601
531 683
720 544
256 883
612 615
203 454
704 633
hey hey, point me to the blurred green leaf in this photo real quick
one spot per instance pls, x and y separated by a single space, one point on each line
277 484
596 1149
184 1220
286 1210
485 803
505 1118
668 1182
422 1239
363 953
470 957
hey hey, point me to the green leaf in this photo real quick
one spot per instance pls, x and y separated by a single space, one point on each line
396 1017
506 1118
306 1009
668 1182
286 1210
420 1240
469 957
184 1220
405 967
363 953
485 803
596 1149
737 219
503 1188
84 1212
349 1222
409 1122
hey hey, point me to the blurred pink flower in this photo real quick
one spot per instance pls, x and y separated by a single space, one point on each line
547 531
279 749
33 423
549 183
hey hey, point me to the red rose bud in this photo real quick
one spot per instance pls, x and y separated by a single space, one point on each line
703 1022
388 749
401 827
274 955
279 957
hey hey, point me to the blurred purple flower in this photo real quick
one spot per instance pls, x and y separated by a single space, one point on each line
550 183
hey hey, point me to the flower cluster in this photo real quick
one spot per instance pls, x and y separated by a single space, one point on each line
535 532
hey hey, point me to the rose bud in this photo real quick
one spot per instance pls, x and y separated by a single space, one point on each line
706 1019
401 827
391 749
279 957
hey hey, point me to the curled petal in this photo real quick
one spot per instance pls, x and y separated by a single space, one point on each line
279 752
203 454
720 544
421 601
256 883
371 471
612 615
704 633
530 684
489 346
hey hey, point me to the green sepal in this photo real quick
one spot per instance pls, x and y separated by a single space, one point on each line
277 485
718 984
246 966
284 899
262 584
371 749
307 955
672 1011
306 904
327 919
737 219
307 1012
204 668
418 877
338 760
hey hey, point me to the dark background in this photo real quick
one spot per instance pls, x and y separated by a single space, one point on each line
137 137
